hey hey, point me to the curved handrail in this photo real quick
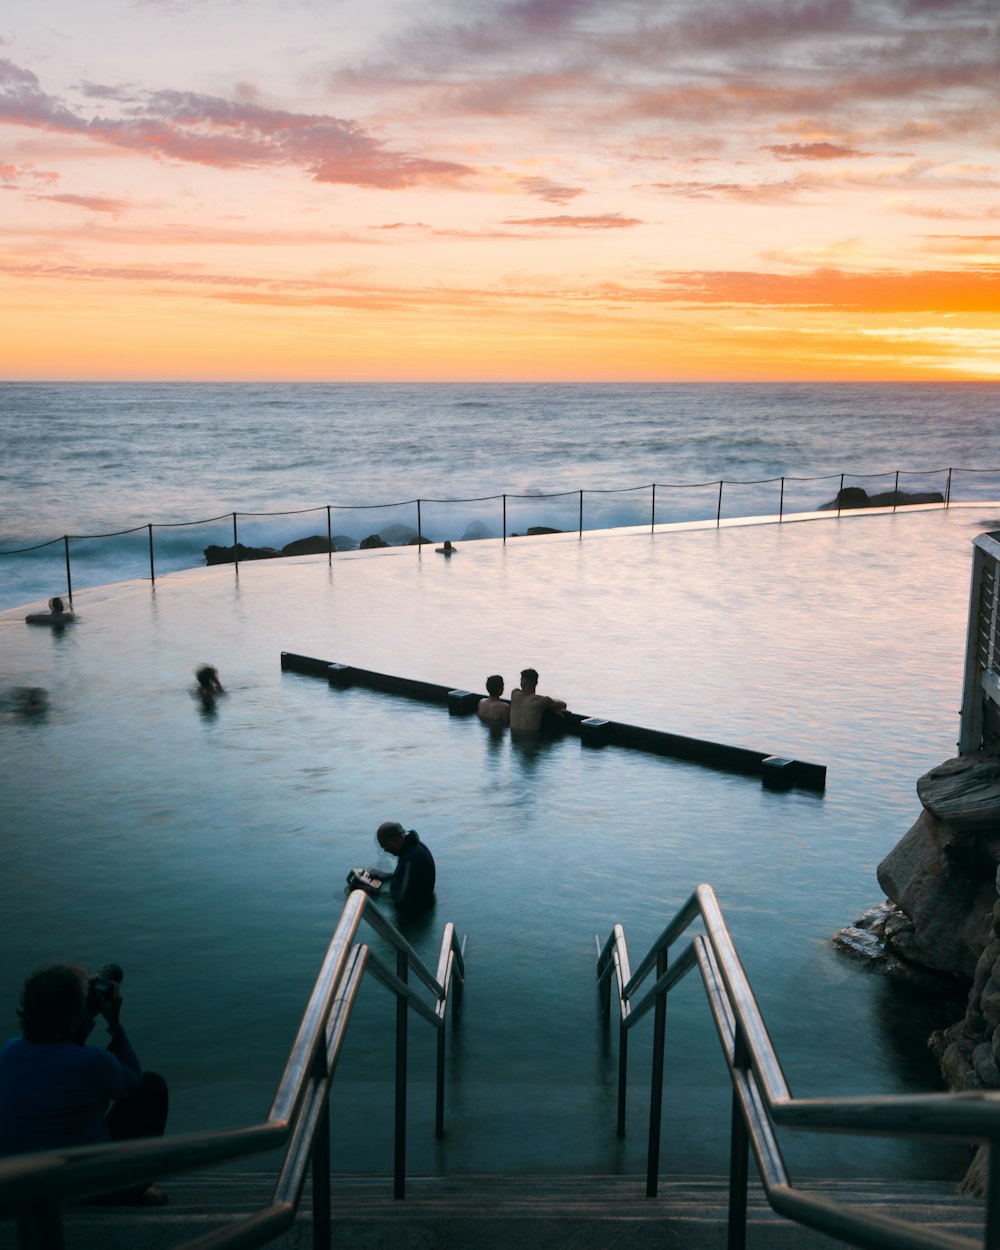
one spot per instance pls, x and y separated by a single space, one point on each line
32 1186
762 1100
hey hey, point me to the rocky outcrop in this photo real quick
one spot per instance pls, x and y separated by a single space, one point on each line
858 497
942 874
319 544
371 542
942 920
225 555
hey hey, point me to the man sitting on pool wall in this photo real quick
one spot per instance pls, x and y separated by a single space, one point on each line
55 1091
527 707
411 886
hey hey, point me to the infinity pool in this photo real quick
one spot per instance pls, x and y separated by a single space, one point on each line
207 853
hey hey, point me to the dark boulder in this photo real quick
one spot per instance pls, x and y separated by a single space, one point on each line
858 497
224 555
373 540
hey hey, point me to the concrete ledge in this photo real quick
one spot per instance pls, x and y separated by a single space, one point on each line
775 772
462 702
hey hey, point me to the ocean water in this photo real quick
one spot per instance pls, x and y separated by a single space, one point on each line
103 458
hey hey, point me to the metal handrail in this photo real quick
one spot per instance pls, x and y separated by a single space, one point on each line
762 1100
33 1187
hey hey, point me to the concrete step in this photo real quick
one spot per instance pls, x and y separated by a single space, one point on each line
487 1212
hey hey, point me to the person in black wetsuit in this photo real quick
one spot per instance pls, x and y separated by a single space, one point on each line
411 886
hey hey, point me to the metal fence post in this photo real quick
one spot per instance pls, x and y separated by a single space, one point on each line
329 537
656 1083
622 1075
439 1087
839 493
420 532
947 491
739 1156
236 545
69 576
40 1228
321 1163
652 512
581 515
895 492
781 504
505 520
399 1154
718 510
152 569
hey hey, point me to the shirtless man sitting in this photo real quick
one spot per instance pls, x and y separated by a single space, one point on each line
527 707
493 710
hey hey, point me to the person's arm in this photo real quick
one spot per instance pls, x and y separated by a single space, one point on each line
118 1044
557 705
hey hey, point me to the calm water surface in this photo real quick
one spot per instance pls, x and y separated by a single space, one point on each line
207 853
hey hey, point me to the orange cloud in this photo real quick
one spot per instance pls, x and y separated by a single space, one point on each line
603 221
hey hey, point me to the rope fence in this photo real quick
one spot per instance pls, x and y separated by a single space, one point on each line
889 499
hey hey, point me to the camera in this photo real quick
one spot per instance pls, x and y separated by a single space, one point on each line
101 987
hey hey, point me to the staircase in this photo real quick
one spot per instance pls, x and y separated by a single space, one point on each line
506 1213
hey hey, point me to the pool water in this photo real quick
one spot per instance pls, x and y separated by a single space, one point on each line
207 852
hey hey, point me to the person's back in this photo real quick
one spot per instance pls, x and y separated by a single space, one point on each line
412 886
527 706
493 710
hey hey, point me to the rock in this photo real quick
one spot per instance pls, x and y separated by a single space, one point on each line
224 555
951 907
963 795
398 535
543 529
373 540
475 530
858 497
418 540
316 544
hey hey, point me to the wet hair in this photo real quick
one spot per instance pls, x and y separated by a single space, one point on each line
529 675
494 686
51 1002
56 604
207 677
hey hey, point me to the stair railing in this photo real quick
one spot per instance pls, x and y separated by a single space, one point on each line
762 1101
35 1187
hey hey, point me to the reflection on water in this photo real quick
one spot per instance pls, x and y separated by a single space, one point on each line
207 852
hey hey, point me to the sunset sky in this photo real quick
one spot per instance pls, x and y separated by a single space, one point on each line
551 189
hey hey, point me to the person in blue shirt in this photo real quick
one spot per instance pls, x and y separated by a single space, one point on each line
56 1091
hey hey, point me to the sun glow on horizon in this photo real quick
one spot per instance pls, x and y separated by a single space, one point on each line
523 191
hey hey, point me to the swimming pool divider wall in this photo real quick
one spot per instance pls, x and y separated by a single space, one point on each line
776 772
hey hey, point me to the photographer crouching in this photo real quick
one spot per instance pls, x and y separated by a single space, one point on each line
56 1091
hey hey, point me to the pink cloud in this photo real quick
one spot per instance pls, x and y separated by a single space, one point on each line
207 130
603 221
16 176
551 192
96 203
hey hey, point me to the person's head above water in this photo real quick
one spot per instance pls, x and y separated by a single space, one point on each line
529 678
494 686
390 835
56 604
208 678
